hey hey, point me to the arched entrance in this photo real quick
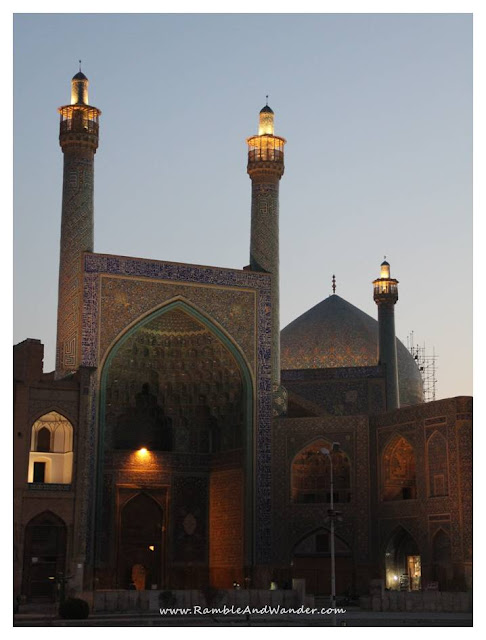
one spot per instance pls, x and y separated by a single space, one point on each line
402 562
140 548
311 560
442 569
176 387
44 556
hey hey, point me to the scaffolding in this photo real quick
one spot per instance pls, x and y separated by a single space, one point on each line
427 364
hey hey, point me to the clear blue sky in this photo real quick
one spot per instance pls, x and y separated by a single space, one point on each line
377 111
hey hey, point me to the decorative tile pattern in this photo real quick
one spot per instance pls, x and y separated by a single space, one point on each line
76 237
335 333
221 293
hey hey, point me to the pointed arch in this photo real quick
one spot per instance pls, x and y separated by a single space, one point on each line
398 469
437 465
311 560
402 561
310 474
44 555
185 379
51 450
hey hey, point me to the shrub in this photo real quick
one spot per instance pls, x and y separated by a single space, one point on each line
74 609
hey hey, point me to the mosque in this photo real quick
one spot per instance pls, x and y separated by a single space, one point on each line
183 441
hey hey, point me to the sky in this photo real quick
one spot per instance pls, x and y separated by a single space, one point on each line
377 113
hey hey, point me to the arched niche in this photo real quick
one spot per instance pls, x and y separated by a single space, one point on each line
176 385
442 569
172 384
438 475
311 560
403 568
311 474
44 556
51 450
398 470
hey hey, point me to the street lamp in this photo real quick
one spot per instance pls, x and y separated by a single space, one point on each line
332 516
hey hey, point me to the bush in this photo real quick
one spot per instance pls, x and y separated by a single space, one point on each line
74 609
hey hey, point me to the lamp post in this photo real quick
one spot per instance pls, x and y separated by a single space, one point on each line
332 515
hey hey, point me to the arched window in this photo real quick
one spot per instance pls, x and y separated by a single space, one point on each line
437 465
311 475
398 470
51 450
43 440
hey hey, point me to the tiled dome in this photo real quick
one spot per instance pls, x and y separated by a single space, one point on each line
335 333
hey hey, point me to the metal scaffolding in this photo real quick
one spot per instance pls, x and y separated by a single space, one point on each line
427 364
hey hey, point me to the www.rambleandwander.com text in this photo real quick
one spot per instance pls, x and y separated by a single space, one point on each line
267 610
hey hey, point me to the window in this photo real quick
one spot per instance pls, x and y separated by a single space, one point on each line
51 450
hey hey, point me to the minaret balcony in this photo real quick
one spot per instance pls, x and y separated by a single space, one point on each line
385 290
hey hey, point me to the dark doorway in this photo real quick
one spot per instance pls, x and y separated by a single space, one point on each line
39 472
140 551
44 556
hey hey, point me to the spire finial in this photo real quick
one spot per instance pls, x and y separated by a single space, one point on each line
384 257
333 283
267 99
80 65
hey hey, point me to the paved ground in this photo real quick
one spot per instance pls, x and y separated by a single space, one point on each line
354 618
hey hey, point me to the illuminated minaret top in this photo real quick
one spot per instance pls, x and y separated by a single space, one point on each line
385 294
265 168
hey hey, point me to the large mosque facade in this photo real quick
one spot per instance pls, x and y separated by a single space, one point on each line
181 442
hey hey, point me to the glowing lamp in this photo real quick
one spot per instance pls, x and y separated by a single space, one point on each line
385 270
152 547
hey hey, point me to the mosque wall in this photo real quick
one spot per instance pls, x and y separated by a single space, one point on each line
293 521
425 453
337 391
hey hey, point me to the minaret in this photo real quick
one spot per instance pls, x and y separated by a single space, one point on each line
78 138
385 294
265 168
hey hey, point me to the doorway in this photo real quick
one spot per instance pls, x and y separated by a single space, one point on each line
403 566
140 548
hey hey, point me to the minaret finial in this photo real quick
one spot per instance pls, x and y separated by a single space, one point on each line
80 65
333 283
267 99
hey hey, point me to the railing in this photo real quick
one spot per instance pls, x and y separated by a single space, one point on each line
80 125
266 155
385 288
48 486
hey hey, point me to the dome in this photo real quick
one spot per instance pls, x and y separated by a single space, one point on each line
80 76
335 333
266 109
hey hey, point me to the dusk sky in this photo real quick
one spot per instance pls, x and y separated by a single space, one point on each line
377 113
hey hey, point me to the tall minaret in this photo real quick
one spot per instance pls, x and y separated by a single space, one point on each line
385 294
78 138
265 168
